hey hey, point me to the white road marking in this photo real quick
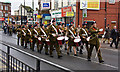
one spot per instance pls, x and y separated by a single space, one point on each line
93 61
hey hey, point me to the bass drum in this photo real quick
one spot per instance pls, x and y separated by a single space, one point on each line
61 40
77 42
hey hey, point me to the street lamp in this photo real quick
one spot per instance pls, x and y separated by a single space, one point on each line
24 11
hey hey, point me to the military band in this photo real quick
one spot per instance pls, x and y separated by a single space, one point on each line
55 36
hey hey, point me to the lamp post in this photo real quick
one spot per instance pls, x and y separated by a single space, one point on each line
33 10
24 11
105 13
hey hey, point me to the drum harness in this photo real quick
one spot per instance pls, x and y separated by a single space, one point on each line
24 32
29 31
72 33
85 32
43 32
61 31
55 30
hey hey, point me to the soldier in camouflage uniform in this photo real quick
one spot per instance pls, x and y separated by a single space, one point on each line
94 42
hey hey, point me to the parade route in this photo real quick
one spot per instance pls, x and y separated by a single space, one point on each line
72 62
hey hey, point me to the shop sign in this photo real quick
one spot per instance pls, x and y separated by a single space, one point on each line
90 4
69 14
2 19
56 14
65 10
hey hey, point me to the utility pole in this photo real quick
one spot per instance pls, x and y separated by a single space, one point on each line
33 10
39 10
21 14
105 12
24 11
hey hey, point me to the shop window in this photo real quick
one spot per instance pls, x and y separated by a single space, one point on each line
111 1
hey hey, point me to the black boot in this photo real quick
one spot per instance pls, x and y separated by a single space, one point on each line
101 61
59 56
81 52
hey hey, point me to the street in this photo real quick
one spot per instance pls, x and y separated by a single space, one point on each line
110 56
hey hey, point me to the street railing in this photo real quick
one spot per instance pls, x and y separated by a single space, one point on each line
13 64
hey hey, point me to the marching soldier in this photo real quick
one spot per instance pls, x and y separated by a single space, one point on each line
10 29
28 35
23 34
44 36
71 34
18 30
34 37
64 34
94 42
53 34
84 34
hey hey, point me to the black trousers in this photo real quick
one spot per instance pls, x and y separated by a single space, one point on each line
114 41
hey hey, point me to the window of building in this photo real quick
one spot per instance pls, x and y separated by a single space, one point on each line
111 1
6 14
2 14
56 4
6 7
1 7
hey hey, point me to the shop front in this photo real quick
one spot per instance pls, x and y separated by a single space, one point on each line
57 15
46 18
1 22
68 15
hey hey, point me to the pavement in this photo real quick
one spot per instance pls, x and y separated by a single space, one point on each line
110 56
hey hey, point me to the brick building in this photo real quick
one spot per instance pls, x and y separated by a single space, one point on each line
5 11
111 14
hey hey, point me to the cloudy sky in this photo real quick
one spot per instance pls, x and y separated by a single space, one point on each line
16 3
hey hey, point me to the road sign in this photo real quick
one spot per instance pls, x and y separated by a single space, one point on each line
84 12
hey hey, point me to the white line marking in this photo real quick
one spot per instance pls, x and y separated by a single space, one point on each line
93 61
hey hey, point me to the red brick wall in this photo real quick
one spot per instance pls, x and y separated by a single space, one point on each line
119 16
99 15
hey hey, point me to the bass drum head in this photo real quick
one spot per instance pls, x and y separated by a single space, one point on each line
60 38
66 38
77 40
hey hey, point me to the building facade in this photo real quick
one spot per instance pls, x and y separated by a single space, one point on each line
62 10
108 13
5 11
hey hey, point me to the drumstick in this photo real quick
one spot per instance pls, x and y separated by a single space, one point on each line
98 51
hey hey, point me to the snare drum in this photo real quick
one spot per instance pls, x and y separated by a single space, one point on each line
77 41
39 39
60 40
48 41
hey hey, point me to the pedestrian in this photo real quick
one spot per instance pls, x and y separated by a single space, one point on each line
114 34
5 27
118 38
107 34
